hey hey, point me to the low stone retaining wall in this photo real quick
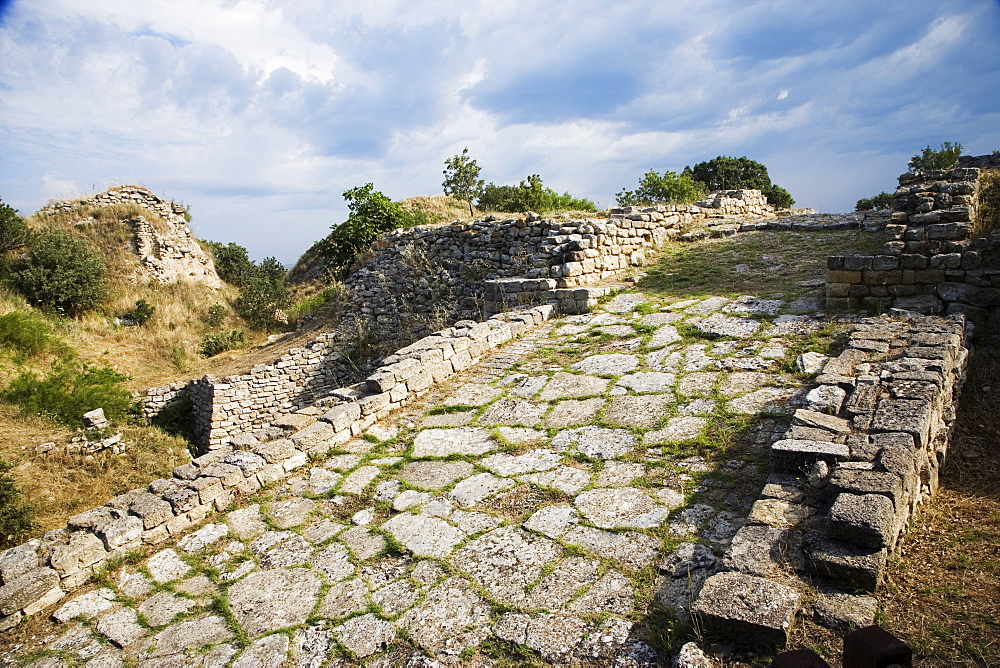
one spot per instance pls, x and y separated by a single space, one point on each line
855 463
42 571
931 262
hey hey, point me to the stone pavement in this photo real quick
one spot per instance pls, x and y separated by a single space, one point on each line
561 501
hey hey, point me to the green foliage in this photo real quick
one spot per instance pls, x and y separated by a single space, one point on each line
943 158
142 313
461 178
530 195
13 231
15 518
262 287
232 262
27 334
178 356
213 344
371 215
259 299
70 390
215 315
728 173
670 188
880 202
61 272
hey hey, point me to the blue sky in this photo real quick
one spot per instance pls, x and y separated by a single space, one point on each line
258 114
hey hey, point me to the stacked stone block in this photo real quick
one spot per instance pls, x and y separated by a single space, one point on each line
930 263
40 572
858 458
738 203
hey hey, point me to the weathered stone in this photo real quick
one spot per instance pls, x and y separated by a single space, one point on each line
120 627
620 507
717 325
780 514
273 599
290 513
758 550
597 442
458 441
472 490
573 412
247 522
534 460
614 364
566 479
365 635
190 635
435 474
203 537
162 607
857 567
911 416
359 480
793 455
564 385
506 561
344 598
449 611
554 636
744 606
644 411
165 566
267 652
83 550
630 549
424 536
86 606
513 412
684 428
844 612
363 543
647 381
867 520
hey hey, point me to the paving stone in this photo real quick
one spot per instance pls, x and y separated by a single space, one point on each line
311 646
134 585
458 419
165 566
736 604
615 474
758 550
663 336
280 549
472 523
78 641
704 307
687 558
448 618
810 362
690 520
698 383
203 537
395 598
322 481
506 561
162 607
625 303
358 481
273 599
199 586
247 522
614 364
566 479
267 652
614 508
742 382
647 381
513 412
334 561
766 397
120 627
522 385
750 305
510 465
573 412
664 360
632 550
457 441
344 598
365 635
290 513
780 514
557 588
678 429
638 411
603 641
87 605
698 407
435 474
825 399
554 636
613 593
695 358
598 442
552 521
363 542
571 329
109 658
565 385
662 318
190 635
844 612
472 490
424 536
472 394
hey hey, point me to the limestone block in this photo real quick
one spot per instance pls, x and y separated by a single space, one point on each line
796 455
84 549
740 605
867 520
121 533
28 589
860 481
857 567
911 416
18 560
316 434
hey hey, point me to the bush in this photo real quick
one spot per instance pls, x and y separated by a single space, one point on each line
27 334
670 188
529 195
213 344
215 315
232 262
15 518
778 197
262 287
944 158
72 389
62 273
880 202
371 215
13 230
259 300
141 315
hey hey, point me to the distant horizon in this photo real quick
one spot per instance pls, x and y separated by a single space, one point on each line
259 115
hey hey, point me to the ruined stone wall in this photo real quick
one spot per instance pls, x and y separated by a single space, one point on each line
737 203
931 261
849 472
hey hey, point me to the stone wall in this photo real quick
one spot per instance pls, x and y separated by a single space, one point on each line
166 248
42 571
738 203
849 472
931 261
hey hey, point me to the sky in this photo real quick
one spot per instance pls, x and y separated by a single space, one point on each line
259 114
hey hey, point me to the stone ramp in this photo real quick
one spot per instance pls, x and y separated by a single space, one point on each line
547 501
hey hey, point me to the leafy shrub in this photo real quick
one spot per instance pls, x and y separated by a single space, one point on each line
213 344
670 188
259 300
15 518
13 230
232 262
371 214
62 273
880 202
142 313
728 173
529 195
778 197
215 315
70 390
27 334
178 356
943 158
262 287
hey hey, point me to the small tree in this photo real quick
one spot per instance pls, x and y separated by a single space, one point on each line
61 272
461 178
372 214
670 188
944 158
880 202
728 173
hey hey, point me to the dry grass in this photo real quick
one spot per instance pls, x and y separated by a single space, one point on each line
439 208
988 210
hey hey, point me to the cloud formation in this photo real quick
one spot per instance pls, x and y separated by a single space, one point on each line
260 113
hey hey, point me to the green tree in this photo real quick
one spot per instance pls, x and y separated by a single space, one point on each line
260 297
461 178
61 272
530 195
944 158
880 202
728 173
670 188
232 262
371 215
13 230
